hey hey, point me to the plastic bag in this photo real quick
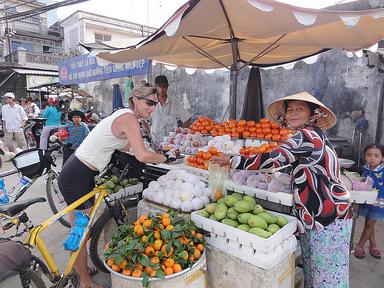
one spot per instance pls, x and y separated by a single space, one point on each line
216 179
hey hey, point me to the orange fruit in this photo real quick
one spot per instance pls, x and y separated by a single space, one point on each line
144 238
124 264
199 236
136 273
217 195
155 260
191 258
157 234
127 272
139 266
200 247
264 120
138 229
116 268
166 221
184 255
157 244
169 262
149 251
212 150
110 262
169 227
251 123
177 268
142 218
207 155
147 223
164 250
196 253
168 271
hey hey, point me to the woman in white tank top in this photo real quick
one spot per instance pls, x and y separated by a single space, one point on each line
119 131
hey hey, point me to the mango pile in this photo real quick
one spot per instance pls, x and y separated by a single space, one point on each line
242 212
113 185
154 247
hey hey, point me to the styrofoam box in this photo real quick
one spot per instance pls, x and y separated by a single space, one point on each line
361 197
128 191
248 254
243 238
276 197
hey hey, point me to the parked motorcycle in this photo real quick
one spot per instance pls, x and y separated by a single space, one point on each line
32 132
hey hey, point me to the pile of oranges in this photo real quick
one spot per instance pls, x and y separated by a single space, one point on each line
201 159
203 125
154 247
250 129
263 148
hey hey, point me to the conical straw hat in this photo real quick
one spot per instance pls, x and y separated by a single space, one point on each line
277 108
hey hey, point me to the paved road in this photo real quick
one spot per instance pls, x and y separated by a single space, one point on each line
367 272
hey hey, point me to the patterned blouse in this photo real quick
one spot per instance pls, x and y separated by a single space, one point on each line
319 196
378 185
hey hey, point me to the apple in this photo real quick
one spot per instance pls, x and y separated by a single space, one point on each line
178 130
196 143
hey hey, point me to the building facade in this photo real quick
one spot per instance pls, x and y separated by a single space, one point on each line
85 27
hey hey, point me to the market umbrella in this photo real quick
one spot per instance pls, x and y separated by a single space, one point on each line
236 33
117 101
253 108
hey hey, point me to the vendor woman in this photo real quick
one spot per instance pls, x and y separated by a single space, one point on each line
322 203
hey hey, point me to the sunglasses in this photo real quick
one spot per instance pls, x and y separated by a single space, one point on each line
149 102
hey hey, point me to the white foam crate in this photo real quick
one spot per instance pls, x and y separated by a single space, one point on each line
244 238
363 197
275 197
248 254
128 191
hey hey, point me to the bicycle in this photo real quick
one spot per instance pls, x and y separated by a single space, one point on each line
14 215
34 163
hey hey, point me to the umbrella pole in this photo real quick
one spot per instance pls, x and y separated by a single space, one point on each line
233 93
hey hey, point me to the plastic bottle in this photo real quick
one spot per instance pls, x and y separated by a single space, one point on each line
4 198
23 182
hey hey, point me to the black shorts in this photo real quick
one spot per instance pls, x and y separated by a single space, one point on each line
76 180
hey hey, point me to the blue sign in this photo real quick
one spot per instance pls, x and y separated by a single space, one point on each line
82 69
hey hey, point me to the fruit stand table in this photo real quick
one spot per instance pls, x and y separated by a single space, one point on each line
148 207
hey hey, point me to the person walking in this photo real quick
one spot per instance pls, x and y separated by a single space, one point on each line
14 119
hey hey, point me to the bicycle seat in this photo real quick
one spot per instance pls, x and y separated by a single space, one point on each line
13 208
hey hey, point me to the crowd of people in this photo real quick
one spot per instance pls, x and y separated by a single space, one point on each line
322 203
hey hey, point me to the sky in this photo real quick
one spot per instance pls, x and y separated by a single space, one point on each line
155 12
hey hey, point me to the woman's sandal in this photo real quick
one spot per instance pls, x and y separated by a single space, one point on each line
375 252
359 253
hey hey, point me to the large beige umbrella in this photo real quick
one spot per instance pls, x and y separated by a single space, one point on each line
236 33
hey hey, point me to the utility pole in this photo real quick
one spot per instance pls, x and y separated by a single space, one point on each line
9 41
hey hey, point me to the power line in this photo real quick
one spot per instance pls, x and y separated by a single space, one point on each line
22 4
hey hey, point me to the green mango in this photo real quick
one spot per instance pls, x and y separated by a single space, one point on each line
238 196
257 221
273 228
220 212
232 213
109 184
243 218
281 221
212 217
258 209
134 181
271 219
243 227
204 213
260 232
124 182
230 222
211 208
221 201
127 185
250 199
243 206
114 179
117 188
109 191
230 200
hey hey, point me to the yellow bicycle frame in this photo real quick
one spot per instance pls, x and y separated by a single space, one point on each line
35 240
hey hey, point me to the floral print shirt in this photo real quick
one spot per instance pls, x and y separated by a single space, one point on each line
378 184
319 195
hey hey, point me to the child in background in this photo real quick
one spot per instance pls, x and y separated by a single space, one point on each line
374 168
76 133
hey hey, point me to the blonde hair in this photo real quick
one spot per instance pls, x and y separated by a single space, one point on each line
141 90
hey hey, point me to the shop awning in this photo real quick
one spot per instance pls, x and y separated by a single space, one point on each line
35 72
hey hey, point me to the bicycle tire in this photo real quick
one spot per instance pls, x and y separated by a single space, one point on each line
52 194
97 241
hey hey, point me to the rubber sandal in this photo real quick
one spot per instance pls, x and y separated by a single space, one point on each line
92 271
359 253
375 252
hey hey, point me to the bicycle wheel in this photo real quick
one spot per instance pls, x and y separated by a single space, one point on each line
103 229
55 199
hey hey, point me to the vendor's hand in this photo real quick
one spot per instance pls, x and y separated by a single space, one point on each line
170 156
223 160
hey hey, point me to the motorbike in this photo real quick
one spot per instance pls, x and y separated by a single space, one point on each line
91 118
32 133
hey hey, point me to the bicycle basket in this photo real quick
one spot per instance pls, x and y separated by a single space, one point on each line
31 163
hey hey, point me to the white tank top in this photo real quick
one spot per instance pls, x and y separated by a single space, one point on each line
98 147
